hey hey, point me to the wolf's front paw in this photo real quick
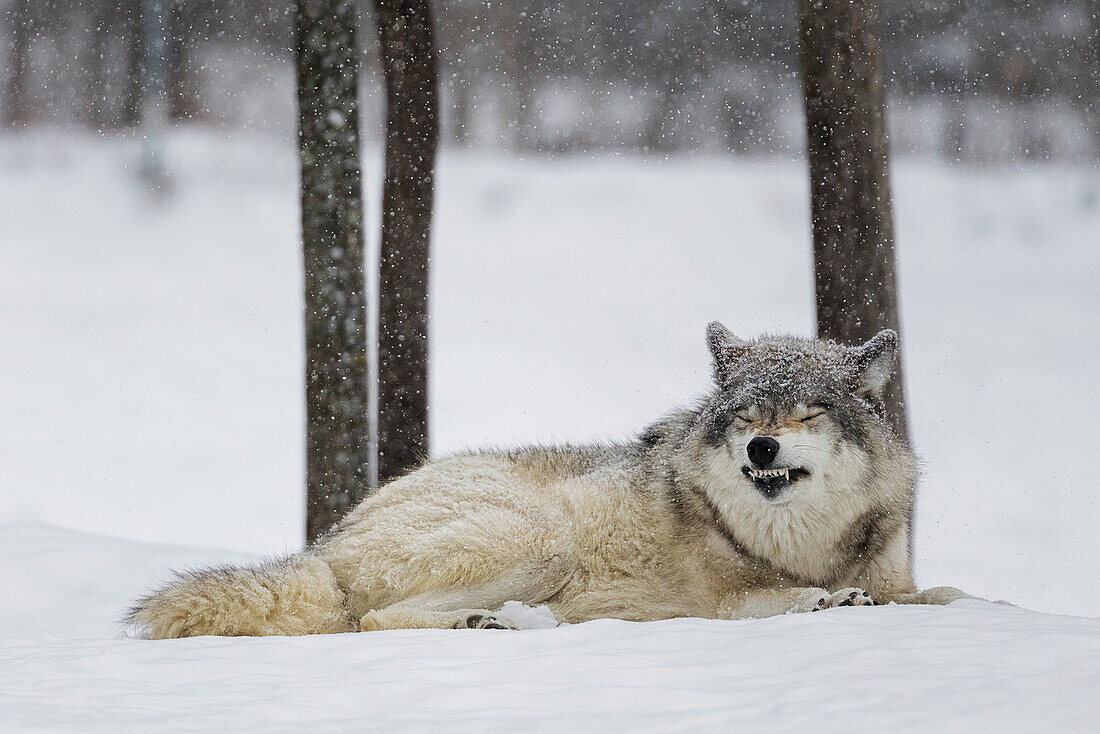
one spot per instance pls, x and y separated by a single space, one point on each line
484 622
850 597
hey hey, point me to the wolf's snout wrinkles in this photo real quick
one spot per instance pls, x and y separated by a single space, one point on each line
762 451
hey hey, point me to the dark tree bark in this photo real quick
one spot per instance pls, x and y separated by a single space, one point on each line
337 376
845 98
134 35
412 134
184 102
17 95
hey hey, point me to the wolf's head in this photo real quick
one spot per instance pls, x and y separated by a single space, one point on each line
793 453
797 417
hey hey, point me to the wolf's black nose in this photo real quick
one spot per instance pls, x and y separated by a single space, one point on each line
762 451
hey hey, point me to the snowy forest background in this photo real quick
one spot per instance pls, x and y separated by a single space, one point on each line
614 175
975 81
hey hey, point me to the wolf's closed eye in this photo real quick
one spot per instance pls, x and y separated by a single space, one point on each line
815 411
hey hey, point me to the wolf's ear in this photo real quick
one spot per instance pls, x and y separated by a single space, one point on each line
726 349
875 362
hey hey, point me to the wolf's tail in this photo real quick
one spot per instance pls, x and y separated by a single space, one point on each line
293 596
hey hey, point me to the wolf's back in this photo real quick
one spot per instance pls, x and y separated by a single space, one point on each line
293 596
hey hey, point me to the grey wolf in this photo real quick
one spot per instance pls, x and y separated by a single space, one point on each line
783 490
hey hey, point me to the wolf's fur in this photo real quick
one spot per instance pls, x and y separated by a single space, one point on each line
669 525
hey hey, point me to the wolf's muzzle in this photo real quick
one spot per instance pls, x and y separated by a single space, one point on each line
762 451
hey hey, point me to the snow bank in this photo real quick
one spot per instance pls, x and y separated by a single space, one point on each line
967 667
972 666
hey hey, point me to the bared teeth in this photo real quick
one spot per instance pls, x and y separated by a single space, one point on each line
766 473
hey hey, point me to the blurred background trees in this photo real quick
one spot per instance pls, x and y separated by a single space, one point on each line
986 80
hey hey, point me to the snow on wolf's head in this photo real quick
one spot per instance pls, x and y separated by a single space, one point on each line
798 425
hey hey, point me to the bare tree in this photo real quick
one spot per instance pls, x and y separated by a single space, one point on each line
96 20
853 233
412 135
17 96
518 62
1090 82
133 30
184 101
337 375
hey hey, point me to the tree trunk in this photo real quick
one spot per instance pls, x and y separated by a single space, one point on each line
184 103
95 67
337 376
660 134
953 148
412 134
1091 92
843 67
463 108
134 35
516 62
17 95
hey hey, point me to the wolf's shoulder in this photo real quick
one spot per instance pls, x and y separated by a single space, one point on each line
643 462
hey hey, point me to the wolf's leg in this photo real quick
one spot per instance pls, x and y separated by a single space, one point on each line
406 618
890 579
453 609
771 602
938 595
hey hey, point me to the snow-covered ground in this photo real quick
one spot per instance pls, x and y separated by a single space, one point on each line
150 390
970 667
